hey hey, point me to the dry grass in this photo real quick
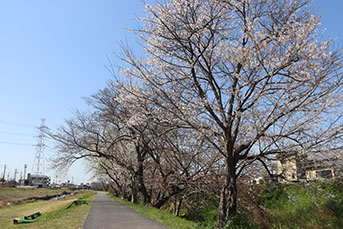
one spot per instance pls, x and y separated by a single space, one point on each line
54 214
13 196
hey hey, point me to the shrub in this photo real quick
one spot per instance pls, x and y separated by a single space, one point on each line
206 213
206 225
239 222
336 206
273 197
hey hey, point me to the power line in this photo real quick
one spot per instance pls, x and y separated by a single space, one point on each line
15 143
15 133
16 124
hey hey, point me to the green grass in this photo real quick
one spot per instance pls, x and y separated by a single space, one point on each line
279 206
54 213
163 217
312 205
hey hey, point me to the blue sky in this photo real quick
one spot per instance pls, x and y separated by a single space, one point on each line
53 53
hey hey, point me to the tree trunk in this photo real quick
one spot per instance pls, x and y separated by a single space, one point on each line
222 210
140 176
228 196
158 204
177 205
162 199
134 198
232 197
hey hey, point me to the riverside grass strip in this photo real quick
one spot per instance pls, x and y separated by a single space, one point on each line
158 215
54 213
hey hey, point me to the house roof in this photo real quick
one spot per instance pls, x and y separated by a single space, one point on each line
286 154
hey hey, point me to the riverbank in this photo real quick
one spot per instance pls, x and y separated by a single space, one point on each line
55 213
10 196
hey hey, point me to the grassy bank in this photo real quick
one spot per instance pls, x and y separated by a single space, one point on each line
54 213
11 196
281 206
163 217
312 205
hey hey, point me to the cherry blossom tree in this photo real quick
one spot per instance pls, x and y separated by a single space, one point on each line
170 160
126 139
254 78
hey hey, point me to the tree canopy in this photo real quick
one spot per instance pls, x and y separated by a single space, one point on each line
230 82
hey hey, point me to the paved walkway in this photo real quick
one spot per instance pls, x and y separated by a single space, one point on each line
108 213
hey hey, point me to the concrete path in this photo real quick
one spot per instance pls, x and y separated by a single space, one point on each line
108 213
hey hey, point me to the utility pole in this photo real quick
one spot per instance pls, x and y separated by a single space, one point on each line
25 166
15 174
3 177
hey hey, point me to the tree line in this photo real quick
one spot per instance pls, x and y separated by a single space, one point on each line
222 86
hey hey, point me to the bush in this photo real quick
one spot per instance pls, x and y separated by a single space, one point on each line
203 212
239 222
207 213
274 197
337 185
206 225
336 206
234 222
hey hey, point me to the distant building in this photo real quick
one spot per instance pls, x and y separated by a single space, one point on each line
293 167
40 181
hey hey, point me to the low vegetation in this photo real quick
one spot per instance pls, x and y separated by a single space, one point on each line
11 196
55 214
301 205
312 205
164 217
